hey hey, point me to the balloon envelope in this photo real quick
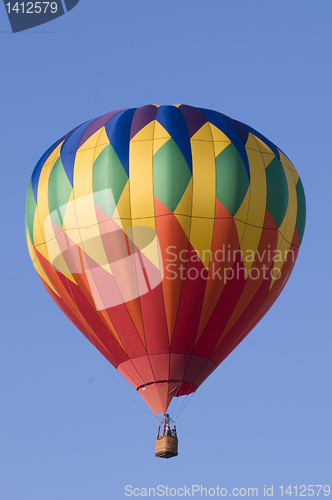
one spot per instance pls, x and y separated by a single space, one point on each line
164 233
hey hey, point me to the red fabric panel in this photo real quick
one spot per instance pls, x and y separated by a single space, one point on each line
156 397
227 344
222 312
159 395
191 301
173 387
185 389
225 243
124 268
69 250
160 366
260 270
82 327
93 320
126 331
53 276
262 302
142 365
172 240
194 368
128 370
178 365
206 370
154 321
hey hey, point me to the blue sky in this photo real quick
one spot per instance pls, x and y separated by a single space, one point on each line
70 426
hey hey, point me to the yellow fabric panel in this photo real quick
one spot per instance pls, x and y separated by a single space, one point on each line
82 211
83 205
151 250
141 193
288 164
122 215
54 155
83 167
185 222
160 132
241 216
160 136
101 143
54 253
42 208
295 176
99 138
31 249
220 140
90 240
242 213
203 192
249 245
287 228
39 237
141 181
146 133
51 249
240 226
184 209
70 224
203 134
185 204
257 188
158 143
267 153
201 233
204 173
257 200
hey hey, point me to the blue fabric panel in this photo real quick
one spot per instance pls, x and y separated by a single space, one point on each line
118 132
171 118
69 147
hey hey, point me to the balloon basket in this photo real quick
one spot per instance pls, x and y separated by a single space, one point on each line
166 447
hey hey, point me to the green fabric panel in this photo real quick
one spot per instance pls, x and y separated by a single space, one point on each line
301 209
171 175
59 190
109 180
277 191
30 209
232 180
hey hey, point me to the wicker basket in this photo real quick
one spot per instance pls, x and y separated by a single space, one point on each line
167 447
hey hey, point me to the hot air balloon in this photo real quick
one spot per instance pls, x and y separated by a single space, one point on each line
164 233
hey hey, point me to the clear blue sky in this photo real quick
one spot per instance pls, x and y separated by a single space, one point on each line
68 430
